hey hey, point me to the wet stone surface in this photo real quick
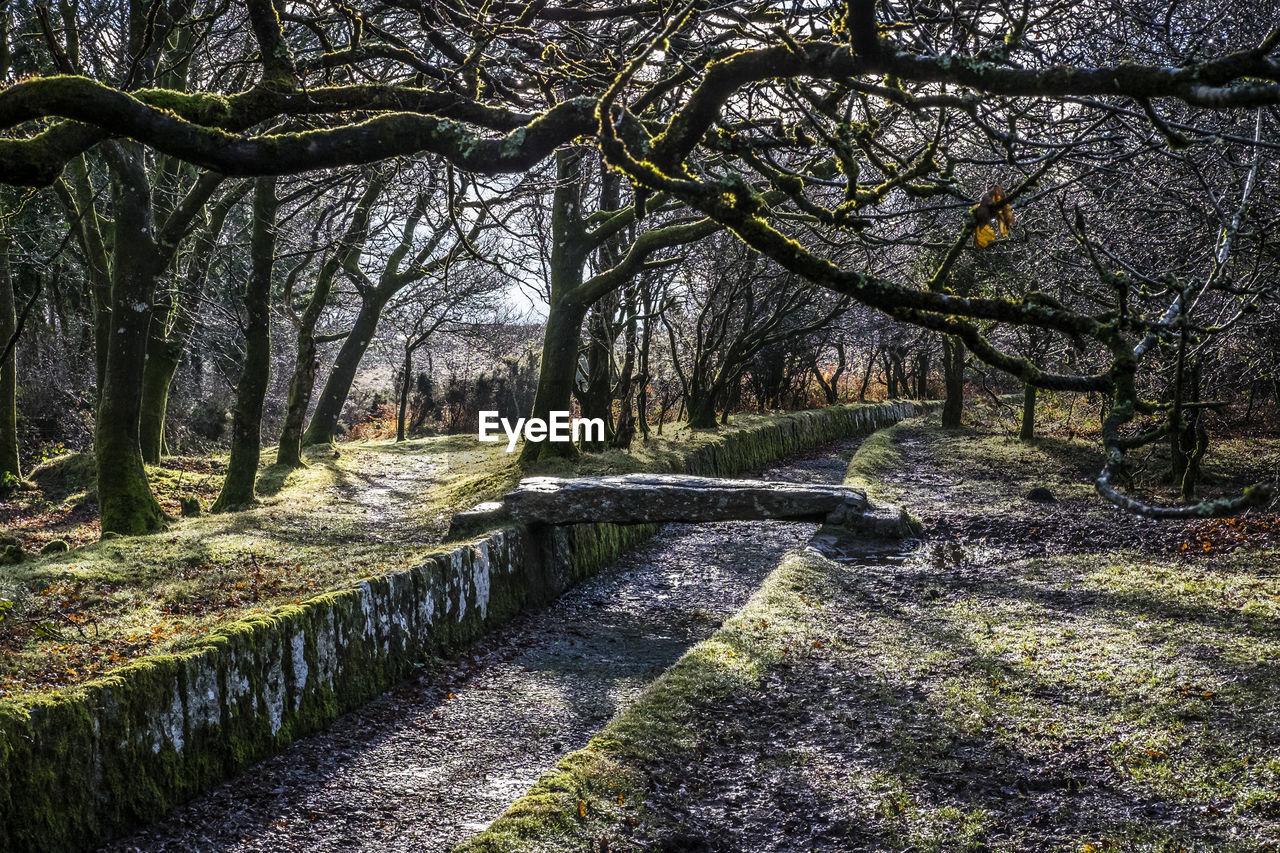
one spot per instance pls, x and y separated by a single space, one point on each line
434 761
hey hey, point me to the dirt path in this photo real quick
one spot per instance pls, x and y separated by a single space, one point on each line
381 491
434 761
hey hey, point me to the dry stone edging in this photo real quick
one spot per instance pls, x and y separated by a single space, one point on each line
89 763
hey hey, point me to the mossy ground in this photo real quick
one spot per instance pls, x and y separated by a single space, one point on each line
1036 677
367 508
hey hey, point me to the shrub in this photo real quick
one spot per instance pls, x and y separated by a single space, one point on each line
209 418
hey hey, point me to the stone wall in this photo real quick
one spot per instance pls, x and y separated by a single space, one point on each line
83 765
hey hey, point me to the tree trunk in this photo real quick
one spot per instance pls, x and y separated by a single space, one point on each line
406 376
953 358
324 422
625 430
1028 429
97 265
163 357
901 382
1179 446
1275 396
172 322
558 370
125 501
10 468
866 377
306 363
301 384
922 375
251 390
642 390
1195 439
596 398
556 376
702 410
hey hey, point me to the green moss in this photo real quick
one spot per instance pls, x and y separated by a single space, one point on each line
67 478
205 109
877 454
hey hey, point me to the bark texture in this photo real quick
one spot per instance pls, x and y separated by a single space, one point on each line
251 390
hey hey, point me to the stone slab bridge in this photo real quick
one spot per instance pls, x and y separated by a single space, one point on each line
658 498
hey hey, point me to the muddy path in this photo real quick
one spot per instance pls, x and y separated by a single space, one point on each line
434 761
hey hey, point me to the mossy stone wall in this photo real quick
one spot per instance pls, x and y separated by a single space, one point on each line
83 765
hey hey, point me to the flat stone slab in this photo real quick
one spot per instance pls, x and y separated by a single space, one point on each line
654 498
482 517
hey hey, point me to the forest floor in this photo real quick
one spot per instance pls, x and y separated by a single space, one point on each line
360 511
1035 676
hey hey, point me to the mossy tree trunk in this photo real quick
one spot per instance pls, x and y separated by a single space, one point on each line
1027 432
306 363
595 397
251 390
706 389
301 384
10 467
702 412
558 370
125 500
124 257
169 338
953 362
324 421
556 373
163 357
